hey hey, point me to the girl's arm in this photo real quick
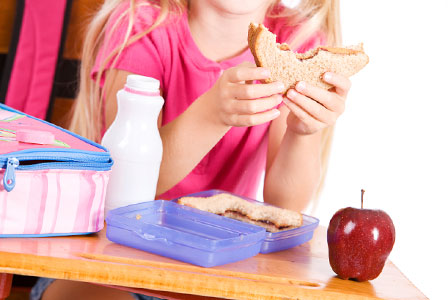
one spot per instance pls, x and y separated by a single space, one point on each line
293 164
190 136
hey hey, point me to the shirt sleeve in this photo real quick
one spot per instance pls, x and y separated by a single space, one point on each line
143 57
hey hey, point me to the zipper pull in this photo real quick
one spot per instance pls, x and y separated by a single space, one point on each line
9 179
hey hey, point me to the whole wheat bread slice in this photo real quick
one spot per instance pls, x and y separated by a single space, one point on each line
290 67
270 217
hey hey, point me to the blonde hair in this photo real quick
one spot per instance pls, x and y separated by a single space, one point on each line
88 118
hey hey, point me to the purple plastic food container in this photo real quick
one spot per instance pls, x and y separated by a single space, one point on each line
276 241
183 233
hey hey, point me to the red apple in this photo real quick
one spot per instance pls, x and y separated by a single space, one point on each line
359 242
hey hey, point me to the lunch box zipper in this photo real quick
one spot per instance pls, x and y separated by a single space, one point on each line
78 161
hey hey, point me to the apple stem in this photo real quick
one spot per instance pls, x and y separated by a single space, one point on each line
362 198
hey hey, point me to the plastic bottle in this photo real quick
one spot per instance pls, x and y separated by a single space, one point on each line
134 143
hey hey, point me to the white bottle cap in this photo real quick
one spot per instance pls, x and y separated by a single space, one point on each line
142 83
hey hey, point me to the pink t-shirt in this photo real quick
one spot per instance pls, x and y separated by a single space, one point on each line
170 55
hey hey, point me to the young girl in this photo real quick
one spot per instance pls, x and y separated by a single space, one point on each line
220 130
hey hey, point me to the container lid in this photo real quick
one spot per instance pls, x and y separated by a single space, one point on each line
22 133
178 224
142 83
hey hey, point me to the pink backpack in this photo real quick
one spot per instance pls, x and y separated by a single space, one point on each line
35 48
52 181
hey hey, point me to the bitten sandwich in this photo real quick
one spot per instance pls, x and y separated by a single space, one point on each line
272 218
290 67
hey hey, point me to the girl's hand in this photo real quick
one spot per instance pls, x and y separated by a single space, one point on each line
238 102
312 108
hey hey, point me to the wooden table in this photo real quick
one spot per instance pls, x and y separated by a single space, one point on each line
302 272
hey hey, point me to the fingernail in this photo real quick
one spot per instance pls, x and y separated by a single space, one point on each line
276 113
328 76
280 86
291 93
301 86
266 73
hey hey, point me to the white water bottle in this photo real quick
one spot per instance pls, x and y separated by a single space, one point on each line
134 143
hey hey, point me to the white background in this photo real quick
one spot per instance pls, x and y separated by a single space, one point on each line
392 138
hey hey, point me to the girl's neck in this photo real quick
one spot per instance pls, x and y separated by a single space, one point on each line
218 34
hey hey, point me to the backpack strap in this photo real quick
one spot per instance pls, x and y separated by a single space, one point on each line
20 7
35 49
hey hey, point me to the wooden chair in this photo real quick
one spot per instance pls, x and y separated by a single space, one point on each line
66 77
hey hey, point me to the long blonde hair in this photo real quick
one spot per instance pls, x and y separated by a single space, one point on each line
88 118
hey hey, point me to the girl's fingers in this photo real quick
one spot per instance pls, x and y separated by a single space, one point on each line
245 73
313 108
256 105
322 96
254 91
302 115
253 119
341 83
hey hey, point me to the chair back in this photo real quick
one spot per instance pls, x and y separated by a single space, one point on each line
36 46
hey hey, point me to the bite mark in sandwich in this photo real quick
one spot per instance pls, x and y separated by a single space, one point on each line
290 67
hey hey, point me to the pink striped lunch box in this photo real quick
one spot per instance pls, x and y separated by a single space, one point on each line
52 182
